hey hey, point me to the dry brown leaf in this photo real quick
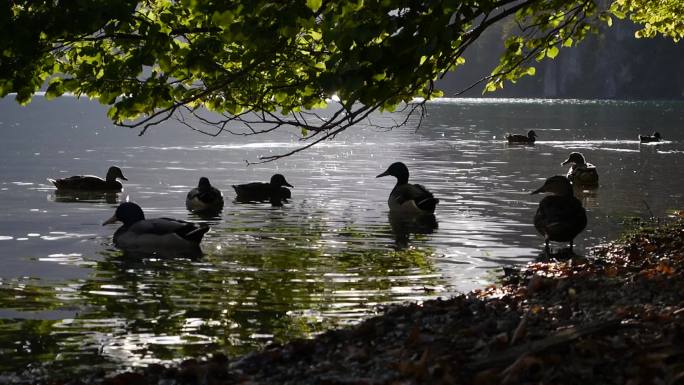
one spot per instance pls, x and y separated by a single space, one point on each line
520 330
519 367
486 377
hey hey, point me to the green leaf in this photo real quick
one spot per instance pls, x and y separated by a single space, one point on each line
314 4
552 52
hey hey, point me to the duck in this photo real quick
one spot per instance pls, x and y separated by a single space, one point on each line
650 138
522 139
91 182
560 216
204 198
406 197
581 172
274 191
153 235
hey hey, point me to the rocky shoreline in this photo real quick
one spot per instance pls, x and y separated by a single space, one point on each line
616 317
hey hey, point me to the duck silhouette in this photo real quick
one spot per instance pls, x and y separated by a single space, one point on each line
204 198
522 139
650 138
161 235
581 172
91 183
560 216
273 192
406 197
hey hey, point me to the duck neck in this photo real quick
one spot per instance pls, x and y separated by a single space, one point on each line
568 191
402 179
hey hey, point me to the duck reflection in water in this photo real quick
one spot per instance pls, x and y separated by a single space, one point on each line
189 253
404 225
65 196
560 216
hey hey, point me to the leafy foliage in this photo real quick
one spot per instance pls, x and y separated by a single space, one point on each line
657 17
262 65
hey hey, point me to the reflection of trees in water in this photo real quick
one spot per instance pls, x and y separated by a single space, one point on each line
290 281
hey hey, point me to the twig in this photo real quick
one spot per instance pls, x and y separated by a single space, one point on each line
560 338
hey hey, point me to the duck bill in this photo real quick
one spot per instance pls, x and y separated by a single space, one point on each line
123 177
383 174
567 161
111 220
288 185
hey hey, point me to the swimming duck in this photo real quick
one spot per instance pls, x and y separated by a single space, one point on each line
204 198
262 192
91 182
522 139
153 235
650 138
581 172
560 216
406 197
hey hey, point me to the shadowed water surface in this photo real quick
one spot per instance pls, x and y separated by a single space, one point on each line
70 301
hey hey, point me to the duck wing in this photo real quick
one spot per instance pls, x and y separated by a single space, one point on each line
559 218
86 183
210 196
517 138
168 226
253 192
422 198
584 174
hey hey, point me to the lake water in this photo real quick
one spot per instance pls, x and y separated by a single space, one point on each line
70 301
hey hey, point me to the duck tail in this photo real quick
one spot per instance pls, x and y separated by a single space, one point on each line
59 184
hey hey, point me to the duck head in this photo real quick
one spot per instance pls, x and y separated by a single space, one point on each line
556 185
114 173
278 180
575 157
531 134
397 170
128 213
656 135
204 184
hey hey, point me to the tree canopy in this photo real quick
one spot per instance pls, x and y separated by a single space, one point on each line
262 65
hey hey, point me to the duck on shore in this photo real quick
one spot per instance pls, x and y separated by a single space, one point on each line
153 235
274 191
581 172
522 139
91 183
204 198
650 138
560 216
406 197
